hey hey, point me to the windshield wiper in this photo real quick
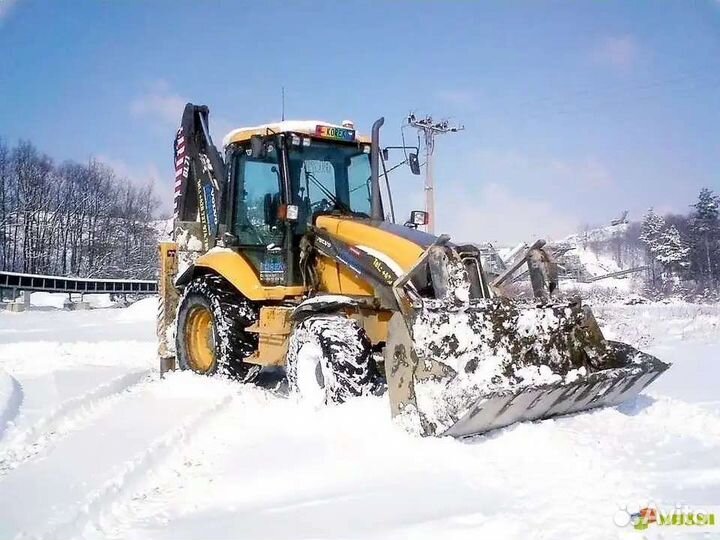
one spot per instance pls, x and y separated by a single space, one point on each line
337 203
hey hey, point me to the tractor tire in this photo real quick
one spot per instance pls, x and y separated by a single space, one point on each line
329 360
210 337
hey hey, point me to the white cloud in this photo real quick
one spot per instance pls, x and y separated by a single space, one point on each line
160 105
137 175
510 196
164 107
5 7
588 172
148 174
492 213
620 52
582 174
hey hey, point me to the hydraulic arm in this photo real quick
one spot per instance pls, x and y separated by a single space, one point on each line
199 174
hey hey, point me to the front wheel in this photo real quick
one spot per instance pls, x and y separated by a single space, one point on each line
211 336
329 359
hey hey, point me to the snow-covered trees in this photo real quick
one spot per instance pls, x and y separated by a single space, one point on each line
651 230
705 233
72 219
672 251
684 248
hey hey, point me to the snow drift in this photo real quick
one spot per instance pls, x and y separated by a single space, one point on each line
10 400
100 449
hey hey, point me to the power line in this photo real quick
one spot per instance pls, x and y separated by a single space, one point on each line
589 99
429 129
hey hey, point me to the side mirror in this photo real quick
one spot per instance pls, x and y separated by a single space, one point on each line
257 147
417 218
414 163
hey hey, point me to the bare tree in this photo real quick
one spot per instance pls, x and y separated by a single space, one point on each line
73 219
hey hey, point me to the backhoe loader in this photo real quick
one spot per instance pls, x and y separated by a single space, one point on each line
285 255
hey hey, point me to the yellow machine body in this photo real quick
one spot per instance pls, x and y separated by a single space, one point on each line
240 273
274 325
334 277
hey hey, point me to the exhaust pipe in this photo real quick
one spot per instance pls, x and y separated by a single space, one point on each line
376 203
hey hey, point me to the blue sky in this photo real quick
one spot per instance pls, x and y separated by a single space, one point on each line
573 111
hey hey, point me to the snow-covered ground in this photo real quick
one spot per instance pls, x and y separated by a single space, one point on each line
93 444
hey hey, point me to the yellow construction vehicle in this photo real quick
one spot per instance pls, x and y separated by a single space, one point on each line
286 255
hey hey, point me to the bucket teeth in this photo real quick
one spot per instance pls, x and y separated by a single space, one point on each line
600 389
462 371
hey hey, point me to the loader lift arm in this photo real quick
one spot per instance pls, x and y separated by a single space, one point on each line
200 174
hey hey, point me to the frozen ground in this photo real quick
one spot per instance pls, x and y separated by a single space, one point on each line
94 445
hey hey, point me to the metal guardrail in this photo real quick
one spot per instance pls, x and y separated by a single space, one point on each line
614 274
36 282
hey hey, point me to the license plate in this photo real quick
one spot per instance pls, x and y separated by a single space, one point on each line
337 133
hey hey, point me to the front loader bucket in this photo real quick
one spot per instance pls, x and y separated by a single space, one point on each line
466 371
599 389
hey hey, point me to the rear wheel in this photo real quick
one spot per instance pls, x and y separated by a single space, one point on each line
329 359
211 336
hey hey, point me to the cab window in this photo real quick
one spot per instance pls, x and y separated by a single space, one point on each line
257 196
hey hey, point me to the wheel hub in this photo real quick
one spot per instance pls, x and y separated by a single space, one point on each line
200 339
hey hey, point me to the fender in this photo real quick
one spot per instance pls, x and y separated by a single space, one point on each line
240 273
322 303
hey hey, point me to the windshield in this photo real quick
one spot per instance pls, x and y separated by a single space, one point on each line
330 176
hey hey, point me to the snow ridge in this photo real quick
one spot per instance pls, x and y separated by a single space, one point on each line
121 486
71 415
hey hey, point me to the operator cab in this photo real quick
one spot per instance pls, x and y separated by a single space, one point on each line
282 176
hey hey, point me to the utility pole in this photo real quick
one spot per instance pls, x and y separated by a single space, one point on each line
429 129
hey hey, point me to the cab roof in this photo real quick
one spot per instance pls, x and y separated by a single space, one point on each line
307 127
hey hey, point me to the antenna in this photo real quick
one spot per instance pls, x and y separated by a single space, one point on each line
430 128
283 104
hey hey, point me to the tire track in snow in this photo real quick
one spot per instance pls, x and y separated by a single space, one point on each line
11 407
216 437
91 510
71 415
